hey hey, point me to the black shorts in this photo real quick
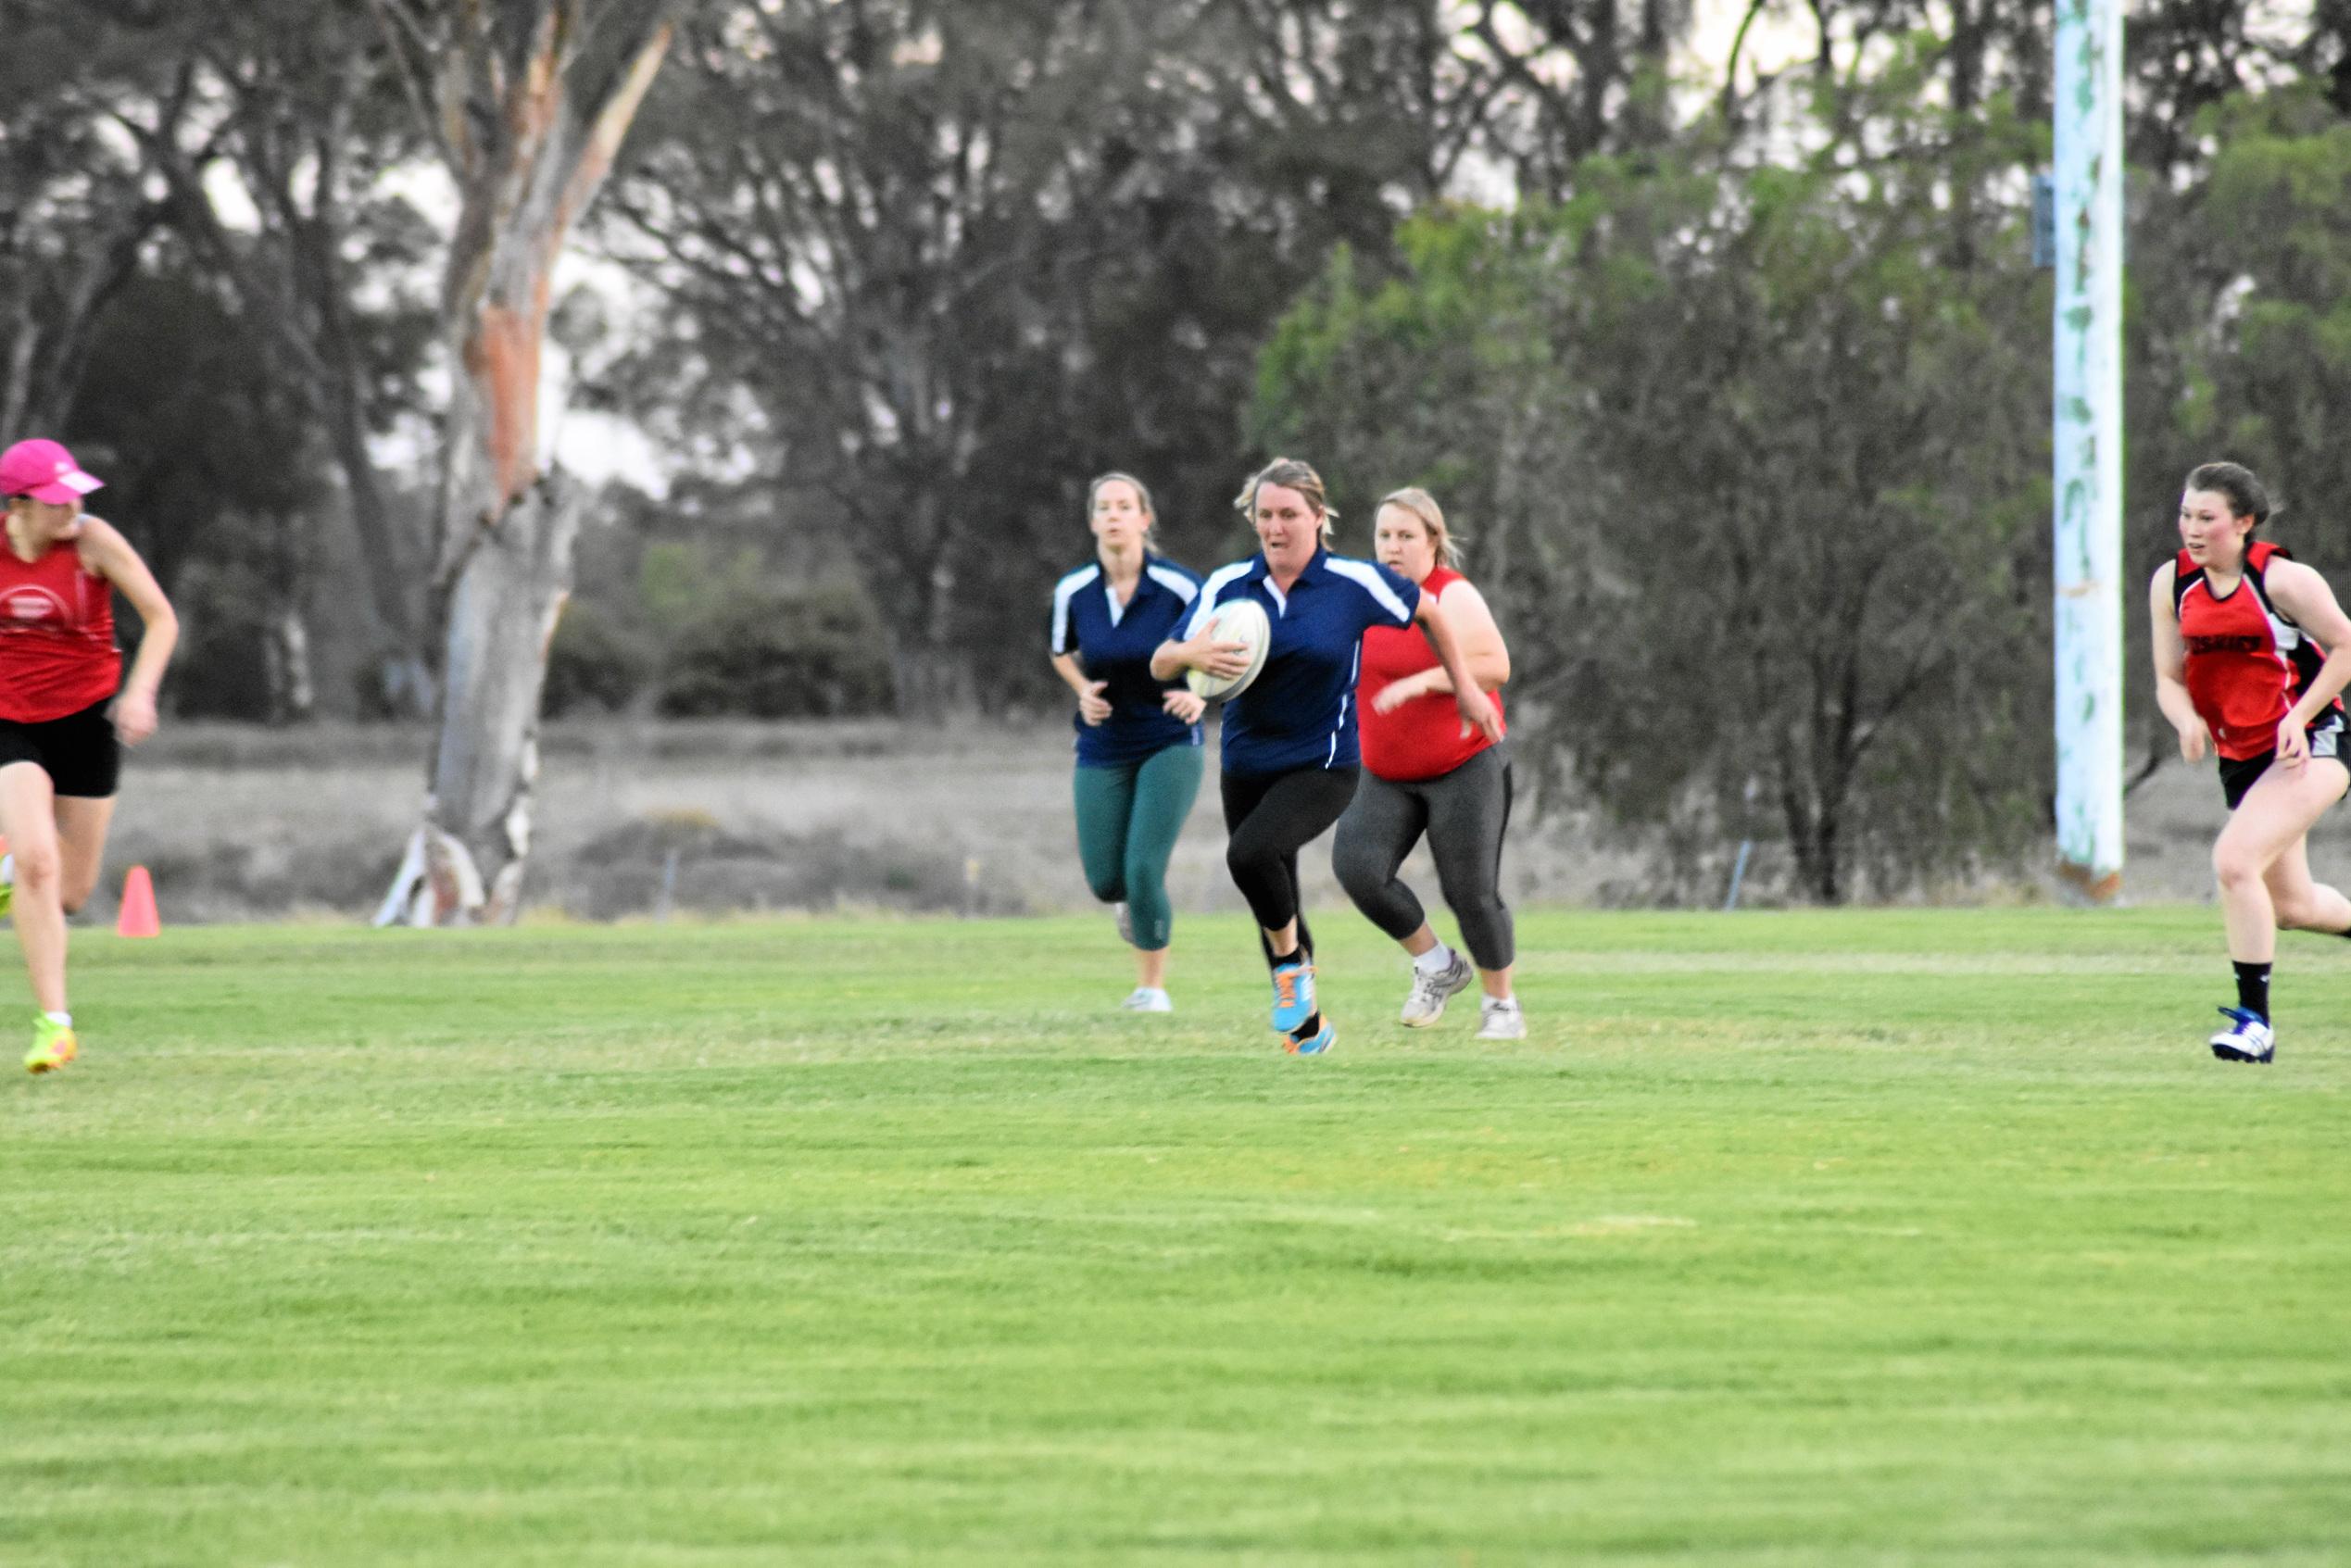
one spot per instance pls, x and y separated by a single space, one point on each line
78 752
2238 774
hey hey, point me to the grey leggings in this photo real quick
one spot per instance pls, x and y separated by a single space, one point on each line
1464 813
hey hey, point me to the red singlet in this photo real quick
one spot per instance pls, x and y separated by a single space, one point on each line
2248 663
1422 739
56 636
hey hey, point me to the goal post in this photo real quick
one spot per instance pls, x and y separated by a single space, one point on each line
2086 437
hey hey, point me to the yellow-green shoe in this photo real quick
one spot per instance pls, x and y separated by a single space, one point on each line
53 1045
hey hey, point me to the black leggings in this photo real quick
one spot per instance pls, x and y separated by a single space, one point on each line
1271 818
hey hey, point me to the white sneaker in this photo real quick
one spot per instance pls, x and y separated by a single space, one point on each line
2246 1038
1498 1018
1148 998
1425 1004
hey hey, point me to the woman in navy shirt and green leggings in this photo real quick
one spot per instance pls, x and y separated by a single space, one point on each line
1138 752
1290 750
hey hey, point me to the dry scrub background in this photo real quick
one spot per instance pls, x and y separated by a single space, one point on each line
244 823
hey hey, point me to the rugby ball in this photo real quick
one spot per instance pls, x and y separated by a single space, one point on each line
1235 621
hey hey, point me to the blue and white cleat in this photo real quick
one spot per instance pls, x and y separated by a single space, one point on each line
2247 1038
1293 995
1315 1044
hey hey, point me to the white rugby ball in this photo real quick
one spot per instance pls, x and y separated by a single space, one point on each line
1235 621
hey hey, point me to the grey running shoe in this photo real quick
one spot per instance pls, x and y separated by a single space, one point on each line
1499 1019
1426 1004
1148 998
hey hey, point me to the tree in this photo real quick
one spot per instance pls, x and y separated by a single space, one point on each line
1029 240
1776 499
983 220
1442 373
76 209
322 248
529 100
219 492
2274 220
1570 80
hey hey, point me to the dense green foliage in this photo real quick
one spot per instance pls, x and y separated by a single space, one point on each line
1754 451
806 653
1807 1238
1754 473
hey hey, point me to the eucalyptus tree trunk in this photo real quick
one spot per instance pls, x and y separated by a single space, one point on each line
285 661
285 626
534 97
501 613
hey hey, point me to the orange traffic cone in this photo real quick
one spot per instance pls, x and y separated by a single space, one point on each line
138 918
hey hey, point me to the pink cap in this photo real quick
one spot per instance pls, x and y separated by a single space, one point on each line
46 472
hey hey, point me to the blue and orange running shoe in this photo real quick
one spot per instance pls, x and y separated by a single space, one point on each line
1293 994
53 1045
1315 1044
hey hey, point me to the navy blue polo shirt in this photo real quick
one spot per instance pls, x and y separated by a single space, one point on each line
1300 712
1113 642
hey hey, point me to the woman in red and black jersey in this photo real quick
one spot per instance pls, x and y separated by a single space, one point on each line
64 706
1428 773
2241 634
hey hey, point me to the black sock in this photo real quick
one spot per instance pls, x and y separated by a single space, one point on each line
1296 955
1308 1029
2253 989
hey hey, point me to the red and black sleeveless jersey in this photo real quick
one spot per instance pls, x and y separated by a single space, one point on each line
2248 663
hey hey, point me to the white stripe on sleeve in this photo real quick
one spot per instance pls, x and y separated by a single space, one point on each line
1174 583
1207 600
1064 591
1364 575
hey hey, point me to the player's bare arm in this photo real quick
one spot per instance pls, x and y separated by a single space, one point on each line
1225 661
105 551
1092 706
2171 668
1482 644
1476 712
2306 596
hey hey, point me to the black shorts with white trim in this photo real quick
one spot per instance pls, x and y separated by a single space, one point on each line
2238 774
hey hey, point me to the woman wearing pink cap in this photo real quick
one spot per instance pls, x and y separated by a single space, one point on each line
64 704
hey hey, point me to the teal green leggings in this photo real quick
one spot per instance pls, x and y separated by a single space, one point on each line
1128 816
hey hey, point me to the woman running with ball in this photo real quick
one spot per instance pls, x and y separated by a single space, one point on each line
1289 737
64 704
2241 634
1138 751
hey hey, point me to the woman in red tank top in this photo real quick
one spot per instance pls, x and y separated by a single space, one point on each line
1426 772
64 706
2243 637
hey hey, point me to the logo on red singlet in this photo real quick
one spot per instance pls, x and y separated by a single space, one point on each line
29 608
2233 642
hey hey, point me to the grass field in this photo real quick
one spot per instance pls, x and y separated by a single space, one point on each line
1873 1237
